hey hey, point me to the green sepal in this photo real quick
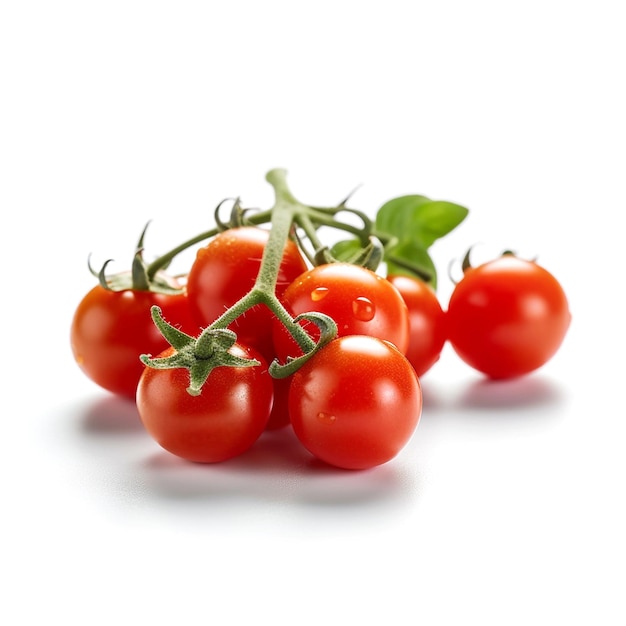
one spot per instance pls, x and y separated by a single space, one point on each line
328 331
138 278
174 336
351 251
237 215
199 355
346 249
323 256
370 256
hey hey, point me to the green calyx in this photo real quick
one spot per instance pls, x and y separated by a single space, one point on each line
198 355
466 263
141 277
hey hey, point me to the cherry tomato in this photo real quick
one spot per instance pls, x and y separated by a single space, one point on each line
111 329
507 317
356 403
279 417
222 422
360 301
427 322
225 270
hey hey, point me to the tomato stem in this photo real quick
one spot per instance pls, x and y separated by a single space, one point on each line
283 213
262 217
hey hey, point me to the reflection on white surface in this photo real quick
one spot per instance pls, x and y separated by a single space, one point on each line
279 472
527 392
277 469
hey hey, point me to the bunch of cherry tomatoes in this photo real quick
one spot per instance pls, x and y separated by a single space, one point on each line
357 400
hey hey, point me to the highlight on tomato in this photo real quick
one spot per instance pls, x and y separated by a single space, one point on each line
356 403
359 300
507 317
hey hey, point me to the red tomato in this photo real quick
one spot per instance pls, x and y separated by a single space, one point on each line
507 317
356 402
360 301
111 329
427 322
279 417
222 422
225 270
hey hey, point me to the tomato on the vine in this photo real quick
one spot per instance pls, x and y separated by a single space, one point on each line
226 269
427 321
279 417
360 302
223 421
356 403
111 329
507 317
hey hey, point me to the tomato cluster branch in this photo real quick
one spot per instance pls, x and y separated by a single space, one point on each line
288 218
263 292
210 349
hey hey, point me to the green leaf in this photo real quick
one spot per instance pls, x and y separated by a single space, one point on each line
419 218
435 219
394 215
402 258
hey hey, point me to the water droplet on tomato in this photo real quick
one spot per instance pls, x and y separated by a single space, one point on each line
326 418
319 293
363 309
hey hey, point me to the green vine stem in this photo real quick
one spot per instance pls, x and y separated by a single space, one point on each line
288 217
210 348
263 292
262 217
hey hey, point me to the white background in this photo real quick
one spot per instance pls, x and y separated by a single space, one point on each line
506 506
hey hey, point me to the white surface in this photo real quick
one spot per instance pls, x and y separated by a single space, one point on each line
506 507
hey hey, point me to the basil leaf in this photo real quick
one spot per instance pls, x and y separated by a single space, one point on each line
431 221
407 254
419 218
394 216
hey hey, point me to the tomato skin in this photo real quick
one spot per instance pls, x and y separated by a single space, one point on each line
226 269
222 422
279 417
507 317
360 301
356 403
111 329
427 322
